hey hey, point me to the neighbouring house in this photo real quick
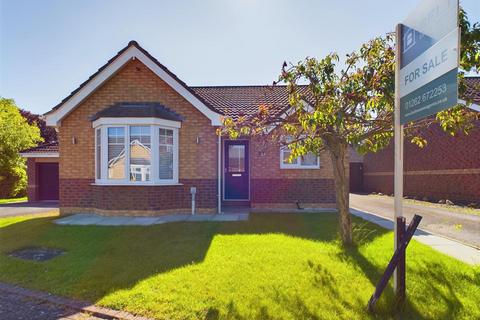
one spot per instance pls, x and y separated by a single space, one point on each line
136 140
356 170
448 167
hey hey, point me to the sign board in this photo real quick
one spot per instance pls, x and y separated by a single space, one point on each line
429 60
427 56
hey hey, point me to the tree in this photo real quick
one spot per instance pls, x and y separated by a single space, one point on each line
48 133
350 106
15 135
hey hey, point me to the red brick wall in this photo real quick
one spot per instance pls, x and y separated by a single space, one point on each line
128 200
288 191
197 162
32 193
447 168
272 186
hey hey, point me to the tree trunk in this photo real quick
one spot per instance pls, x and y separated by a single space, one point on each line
338 154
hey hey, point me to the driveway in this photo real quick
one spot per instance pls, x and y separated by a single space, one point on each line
23 208
441 221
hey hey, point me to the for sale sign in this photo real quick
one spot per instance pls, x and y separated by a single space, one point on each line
429 60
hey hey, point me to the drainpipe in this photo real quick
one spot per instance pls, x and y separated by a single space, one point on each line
193 191
219 174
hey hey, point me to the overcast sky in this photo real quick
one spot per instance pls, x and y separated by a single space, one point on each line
49 47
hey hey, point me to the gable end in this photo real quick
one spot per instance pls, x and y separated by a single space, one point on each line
131 52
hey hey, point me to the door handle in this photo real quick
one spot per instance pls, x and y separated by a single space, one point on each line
236 175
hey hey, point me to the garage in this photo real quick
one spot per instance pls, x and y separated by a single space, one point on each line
47 181
42 172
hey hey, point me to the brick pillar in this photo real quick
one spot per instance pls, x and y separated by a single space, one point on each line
32 188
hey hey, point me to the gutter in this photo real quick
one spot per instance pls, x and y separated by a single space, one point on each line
39 154
219 175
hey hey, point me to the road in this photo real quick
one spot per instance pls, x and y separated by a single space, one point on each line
23 208
437 220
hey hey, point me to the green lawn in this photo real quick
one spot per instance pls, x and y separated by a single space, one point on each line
13 200
271 267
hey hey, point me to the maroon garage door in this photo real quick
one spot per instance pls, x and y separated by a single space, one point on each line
47 181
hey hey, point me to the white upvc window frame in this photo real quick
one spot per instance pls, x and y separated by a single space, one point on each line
297 165
155 125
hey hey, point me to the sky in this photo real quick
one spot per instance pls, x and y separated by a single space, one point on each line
49 47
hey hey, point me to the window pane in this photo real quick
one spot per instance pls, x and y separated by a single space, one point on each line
286 155
116 153
309 159
140 153
99 154
165 165
236 158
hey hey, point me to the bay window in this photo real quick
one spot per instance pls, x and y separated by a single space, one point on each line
138 153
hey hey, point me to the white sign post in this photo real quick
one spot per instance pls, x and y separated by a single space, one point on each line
427 55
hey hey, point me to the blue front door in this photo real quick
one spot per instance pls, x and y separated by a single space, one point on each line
236 170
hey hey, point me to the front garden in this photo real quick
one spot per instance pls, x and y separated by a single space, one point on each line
270 267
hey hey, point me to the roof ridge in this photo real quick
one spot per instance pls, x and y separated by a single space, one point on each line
245 86
238 86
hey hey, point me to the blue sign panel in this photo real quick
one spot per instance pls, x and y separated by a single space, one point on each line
414 43
431 98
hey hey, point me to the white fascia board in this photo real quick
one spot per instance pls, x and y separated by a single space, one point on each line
39 155
55 117
136 121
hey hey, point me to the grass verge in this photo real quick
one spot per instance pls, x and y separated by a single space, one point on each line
452 208
270 267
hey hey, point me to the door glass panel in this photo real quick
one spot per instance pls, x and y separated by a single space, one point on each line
236 158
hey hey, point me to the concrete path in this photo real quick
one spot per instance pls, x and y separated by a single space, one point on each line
24 208
452 248
438 220
98 220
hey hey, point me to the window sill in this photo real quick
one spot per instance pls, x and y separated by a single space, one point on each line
126 184
299 168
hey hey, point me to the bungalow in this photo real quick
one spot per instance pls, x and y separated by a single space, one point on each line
135 140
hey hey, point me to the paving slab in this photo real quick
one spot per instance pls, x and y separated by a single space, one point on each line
116 221
230 217
172 218
144 221
98 220
79 219
201 217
